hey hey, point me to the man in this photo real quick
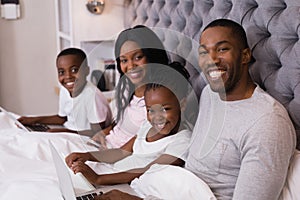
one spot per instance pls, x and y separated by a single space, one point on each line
243 139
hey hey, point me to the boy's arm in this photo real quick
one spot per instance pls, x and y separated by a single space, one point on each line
56 130
53 119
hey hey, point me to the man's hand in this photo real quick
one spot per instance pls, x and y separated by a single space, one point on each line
116 195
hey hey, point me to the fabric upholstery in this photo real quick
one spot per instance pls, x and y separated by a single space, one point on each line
272 26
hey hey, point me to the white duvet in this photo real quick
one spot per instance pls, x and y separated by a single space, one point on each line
26 167
27 171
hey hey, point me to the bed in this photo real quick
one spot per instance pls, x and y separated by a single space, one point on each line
273 28
27 170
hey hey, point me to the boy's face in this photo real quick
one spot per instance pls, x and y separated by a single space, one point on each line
70 73
163 110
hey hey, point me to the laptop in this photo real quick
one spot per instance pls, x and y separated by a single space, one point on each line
82 189
28 128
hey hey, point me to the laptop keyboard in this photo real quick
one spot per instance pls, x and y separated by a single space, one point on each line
88 196
38 127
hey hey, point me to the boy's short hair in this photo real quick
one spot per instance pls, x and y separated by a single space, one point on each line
174 77
74 51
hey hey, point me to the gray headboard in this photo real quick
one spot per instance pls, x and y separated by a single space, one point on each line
273 30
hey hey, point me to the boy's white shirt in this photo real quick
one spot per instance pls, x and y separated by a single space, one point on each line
83 110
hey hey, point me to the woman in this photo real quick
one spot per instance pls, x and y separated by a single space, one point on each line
135 49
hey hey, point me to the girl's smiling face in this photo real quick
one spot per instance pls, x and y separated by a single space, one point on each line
132 62
163 110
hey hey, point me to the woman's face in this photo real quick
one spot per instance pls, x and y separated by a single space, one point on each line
132 62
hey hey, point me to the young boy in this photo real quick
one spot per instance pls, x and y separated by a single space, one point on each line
162 139
82 106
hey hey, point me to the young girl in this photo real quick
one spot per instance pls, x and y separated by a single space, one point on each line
162 139
134 49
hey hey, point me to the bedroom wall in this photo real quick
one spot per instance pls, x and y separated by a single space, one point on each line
27 60
28 49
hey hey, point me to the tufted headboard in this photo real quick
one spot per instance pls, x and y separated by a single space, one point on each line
273 30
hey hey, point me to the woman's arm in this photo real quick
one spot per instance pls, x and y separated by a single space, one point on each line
100 135
95 128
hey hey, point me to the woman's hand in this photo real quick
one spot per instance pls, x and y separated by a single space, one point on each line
74 157
100 138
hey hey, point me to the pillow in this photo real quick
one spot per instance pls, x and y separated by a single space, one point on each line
291 188
171 182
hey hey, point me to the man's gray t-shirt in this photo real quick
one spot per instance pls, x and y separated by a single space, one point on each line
242 149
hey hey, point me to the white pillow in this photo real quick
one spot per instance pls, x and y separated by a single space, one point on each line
171 182
292 184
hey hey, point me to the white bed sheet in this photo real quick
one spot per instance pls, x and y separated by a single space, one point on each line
26 167
27 171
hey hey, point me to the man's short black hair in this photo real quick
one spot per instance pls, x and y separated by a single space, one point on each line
236 28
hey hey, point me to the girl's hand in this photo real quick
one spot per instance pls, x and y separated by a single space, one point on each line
86 171
74 157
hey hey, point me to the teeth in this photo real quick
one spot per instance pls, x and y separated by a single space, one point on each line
134 74
216 73
70 83
159 125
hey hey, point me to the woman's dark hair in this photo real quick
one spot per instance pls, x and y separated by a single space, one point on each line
152 48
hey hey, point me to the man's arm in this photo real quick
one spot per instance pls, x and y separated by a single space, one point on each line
265 152
116 194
